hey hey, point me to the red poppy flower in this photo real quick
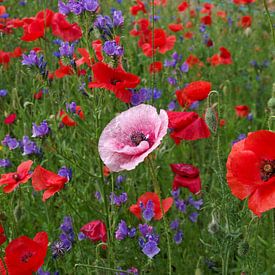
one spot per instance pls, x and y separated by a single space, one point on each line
26 256
115 80
2 235
155 67
63 29
97 47
243 2
221 14
242 110
245 21
206 20
143 199
162 42
38 95
193 60
4 58
63 70
43 179
67 120
187 126
95 231
187 176
225 56
251 170
10 119
183 6
175 27
140 7
12 180
85 59
197 90
33 30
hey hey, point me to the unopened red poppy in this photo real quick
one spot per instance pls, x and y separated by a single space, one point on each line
10 119
2 235
251 170
194 91
43 179
186 175
12 180
155 67
95 231
136 209
116 80
187 126
242 110
63 70
26 256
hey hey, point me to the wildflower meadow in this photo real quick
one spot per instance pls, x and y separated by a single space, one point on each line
137 137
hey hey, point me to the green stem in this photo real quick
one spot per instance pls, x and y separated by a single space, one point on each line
158 192
102 268
270 21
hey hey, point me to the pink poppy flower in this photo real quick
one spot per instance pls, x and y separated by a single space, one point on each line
131 136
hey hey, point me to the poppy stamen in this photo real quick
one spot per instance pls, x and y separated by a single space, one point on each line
267 169
26 257
137 138
16 177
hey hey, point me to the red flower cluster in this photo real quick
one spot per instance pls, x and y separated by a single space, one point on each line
251 170
187 126
161 42
166 205
139 7
223 58
5 57
35 27
188 176
245 21
24 255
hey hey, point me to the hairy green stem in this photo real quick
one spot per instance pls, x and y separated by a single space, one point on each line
270 21
102 268
158 192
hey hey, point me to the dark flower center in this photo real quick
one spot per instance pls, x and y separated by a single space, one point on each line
114 81
26 257
267 169
137 138
16 177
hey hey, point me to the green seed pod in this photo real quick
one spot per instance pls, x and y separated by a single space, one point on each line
198 271
17 212
243 248
211 119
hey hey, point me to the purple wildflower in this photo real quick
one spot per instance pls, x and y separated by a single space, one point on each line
151 249
178 237
12 143
3 93
122 230
174 224
196 204
65 172
111 48
194 216
5 163
41 130
31 59
148 213
90 5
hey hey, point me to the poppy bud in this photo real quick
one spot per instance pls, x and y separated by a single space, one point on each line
243 248
213 226
198 271
271 101
17 212
211 119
